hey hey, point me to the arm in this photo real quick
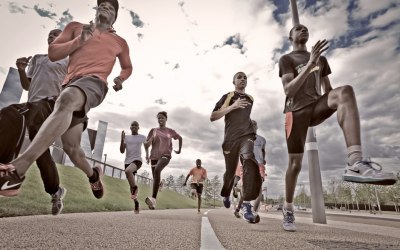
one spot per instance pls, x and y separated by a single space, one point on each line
146 149
180 145
150 138
326 84
218 114
122 146
292 84
263 154
187 177
21 66
126 68
66 43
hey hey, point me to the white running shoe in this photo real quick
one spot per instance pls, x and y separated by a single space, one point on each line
288 220
151 202
364 172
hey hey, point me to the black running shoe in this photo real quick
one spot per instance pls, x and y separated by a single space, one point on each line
10 182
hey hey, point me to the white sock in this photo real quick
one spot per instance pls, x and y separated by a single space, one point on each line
289 206
354 153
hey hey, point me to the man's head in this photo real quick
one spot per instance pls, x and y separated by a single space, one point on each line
162 118
255 126
134 127
198 163
53 34
103 8
240 80
299 34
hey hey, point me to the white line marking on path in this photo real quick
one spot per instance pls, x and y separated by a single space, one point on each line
208 238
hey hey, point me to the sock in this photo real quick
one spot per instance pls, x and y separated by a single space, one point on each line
354 154
289 206
94 177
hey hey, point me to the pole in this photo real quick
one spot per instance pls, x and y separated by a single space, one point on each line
317 197
295 13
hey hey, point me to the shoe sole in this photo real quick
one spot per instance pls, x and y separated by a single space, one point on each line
357 179
149 203
9 193
289 229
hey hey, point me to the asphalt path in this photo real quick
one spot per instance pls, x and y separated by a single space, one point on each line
185 229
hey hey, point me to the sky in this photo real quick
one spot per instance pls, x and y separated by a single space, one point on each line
185 53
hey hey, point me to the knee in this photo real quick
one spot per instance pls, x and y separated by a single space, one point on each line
294 166
346 93
72 150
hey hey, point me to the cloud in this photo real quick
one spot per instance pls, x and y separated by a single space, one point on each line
15 8
43 12
235 42
160 101
64 19
136 20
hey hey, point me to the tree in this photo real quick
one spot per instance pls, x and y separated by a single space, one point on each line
170 181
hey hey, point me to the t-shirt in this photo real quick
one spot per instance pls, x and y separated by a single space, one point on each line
259 144
96 56
133 144
237 122
198 174
46 77
310 91
162 142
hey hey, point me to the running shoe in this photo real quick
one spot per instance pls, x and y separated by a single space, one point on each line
56 200
10 182
257 219
247 212
288 220
236 213
151 202
97 186
136 210
368 172
227 202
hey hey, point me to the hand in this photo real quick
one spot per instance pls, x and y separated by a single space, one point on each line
123 135
177 151
316 51
118 84
240 103
22 63
87 31
264 162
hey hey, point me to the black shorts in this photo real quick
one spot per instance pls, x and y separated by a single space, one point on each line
297 123
137 163
198 187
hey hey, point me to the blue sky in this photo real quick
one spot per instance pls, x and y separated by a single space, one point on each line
185 53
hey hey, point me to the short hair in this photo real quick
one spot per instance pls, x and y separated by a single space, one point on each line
234 76
291 30
134 122
163 113
114 3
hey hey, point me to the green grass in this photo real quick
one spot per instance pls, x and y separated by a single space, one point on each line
33 200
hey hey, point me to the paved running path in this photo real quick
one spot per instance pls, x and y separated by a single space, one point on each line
185 229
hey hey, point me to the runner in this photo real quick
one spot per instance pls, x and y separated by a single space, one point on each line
199 176
43 83
239 139
303 74
85 87
160 140
133 159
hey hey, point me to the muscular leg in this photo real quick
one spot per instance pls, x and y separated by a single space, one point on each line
292 173
161 164
344 100
258 201
70 100
71 140
129 174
